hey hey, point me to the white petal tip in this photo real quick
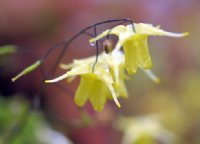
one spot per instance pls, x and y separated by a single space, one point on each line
13 79
157 80
186 34
92 41
178 34
49 81
118 105
152 76
64 76
65 66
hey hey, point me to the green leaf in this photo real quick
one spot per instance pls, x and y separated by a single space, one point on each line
7 49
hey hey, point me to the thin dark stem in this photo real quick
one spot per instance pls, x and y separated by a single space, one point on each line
65 44
130 21
24 118
18 128
97 49
89 34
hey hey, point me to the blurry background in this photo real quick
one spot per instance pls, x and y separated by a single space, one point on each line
35 26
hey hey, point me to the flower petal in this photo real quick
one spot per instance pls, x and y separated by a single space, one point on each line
116 31
149 29
73 72
114 95
144 58
78 70
121 90
66 66
84 90
131 58
64 76
136 53
152 76
98 95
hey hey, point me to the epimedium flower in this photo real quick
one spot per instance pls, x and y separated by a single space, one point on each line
116 62
105 81
140 129
133 38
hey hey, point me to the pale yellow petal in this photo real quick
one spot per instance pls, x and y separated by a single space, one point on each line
144 59
131 57
64 76
104 75
73 72
149 29
98 95
84 90
121 89
114 95
66 66
78 71
152 76
136 53
116 31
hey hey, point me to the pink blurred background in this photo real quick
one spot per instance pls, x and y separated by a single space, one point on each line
37 25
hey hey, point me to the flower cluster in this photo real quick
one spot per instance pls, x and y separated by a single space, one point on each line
106 79
105 82
133 40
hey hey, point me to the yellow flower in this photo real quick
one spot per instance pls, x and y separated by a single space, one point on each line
116 62
105 82
133 39
144 129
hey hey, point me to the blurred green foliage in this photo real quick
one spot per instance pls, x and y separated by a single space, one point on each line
7 49
19 125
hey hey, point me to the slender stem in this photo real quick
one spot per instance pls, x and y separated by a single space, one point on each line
64 48
97 49
67 42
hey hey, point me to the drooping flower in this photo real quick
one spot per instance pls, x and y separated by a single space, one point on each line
133 38
105 82
144 129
